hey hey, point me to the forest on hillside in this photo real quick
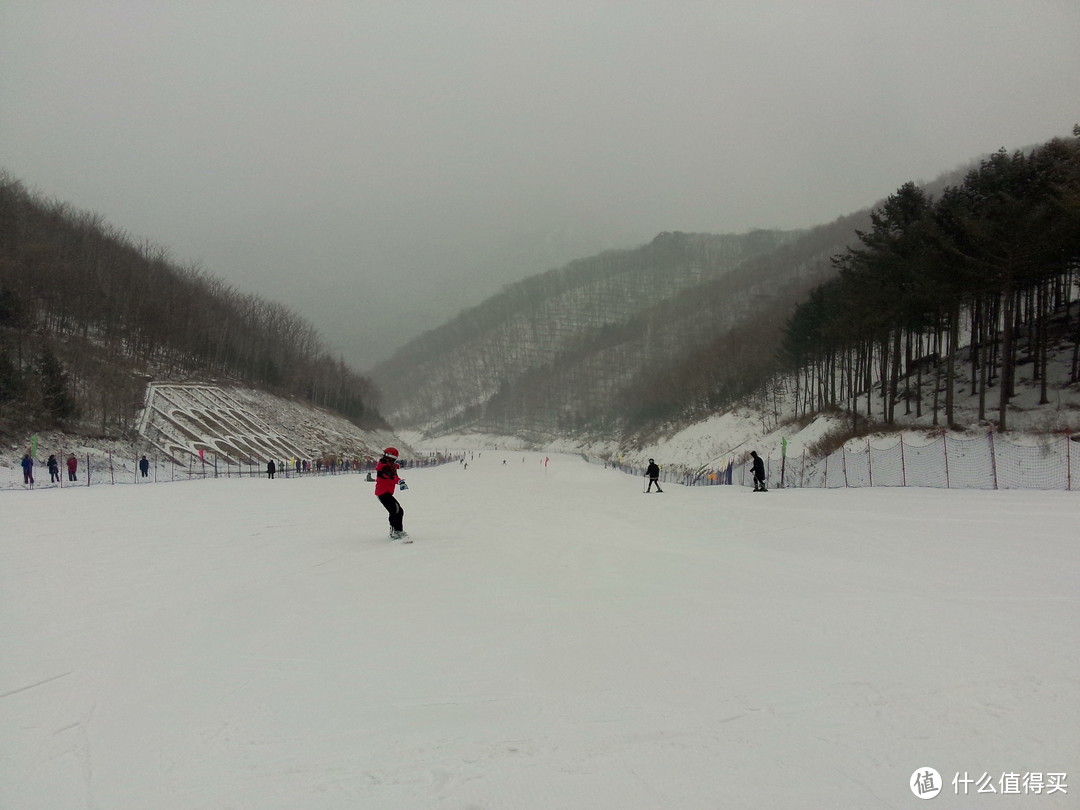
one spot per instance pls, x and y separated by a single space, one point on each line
88 315
988 274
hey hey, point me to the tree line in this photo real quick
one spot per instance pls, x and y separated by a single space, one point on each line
984 277
87 315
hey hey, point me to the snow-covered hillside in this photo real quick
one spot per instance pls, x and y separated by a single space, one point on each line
235 423
551 640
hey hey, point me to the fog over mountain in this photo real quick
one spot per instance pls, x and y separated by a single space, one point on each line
379 166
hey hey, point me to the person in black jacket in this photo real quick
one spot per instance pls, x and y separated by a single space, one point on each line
652 472
758 467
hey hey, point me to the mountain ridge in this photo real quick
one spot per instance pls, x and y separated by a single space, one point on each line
574 309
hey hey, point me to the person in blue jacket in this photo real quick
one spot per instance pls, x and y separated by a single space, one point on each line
28 470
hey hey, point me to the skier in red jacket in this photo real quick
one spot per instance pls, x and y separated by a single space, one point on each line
386 483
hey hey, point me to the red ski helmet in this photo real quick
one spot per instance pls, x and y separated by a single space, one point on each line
391 452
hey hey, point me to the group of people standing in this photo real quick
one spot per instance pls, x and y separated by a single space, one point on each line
53 465
72 464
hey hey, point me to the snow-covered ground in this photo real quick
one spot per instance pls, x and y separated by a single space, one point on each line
553 639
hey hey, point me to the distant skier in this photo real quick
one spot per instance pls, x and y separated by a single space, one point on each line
386 483
758 467
54 470
271 468
144 466
652 472
73 466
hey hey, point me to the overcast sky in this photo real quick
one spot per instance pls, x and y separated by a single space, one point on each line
379 165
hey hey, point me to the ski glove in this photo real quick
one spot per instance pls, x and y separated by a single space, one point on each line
402 486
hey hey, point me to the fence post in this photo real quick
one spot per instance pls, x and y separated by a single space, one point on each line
112 470
88 469
783 459
843 463
870 462
945 445
903 463
993 458
1068 463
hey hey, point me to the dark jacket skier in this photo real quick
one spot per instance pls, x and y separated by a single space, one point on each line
144 466
652 472
54 470
758 467
271 468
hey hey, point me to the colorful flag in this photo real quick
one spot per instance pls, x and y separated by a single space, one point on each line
783 447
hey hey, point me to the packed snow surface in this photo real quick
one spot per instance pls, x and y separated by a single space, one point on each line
553 639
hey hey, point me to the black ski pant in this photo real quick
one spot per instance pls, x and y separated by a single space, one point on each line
651 482
397 514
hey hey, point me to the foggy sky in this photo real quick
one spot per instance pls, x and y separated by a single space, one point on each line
379 165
